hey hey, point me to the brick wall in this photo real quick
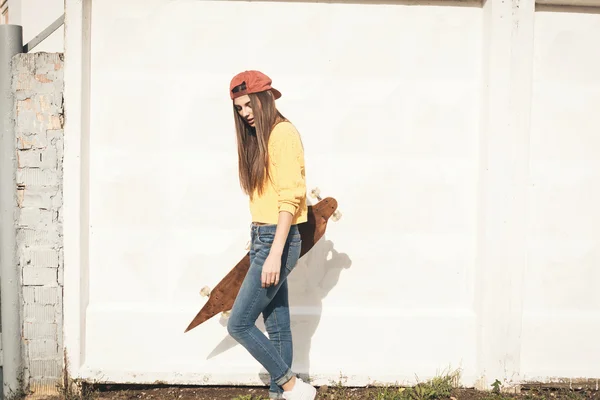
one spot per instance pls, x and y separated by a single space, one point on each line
38 89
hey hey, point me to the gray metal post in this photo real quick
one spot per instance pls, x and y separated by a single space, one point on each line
11 43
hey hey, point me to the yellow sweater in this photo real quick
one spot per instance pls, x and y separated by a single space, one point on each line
286 188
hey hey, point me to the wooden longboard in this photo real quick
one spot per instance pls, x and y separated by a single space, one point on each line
222 297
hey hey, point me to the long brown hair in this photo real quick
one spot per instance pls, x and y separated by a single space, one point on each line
253 157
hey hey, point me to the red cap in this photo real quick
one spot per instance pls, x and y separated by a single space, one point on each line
251 82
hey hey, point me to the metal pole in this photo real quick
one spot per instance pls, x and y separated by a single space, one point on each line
11 43
44 34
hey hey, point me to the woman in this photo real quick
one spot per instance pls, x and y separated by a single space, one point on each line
271 172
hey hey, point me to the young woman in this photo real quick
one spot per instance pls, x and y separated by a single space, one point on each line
271 172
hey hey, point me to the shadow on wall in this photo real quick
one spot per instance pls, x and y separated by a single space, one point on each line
316 274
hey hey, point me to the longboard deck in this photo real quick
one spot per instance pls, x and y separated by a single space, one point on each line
223 295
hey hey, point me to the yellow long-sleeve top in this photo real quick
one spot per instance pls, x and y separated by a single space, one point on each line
286 188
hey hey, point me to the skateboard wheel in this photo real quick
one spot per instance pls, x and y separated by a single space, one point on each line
316 193
336 216
205 291
226 313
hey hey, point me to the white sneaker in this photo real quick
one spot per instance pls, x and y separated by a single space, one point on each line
301 391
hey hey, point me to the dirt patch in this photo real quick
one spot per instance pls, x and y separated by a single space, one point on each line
184 393
117 392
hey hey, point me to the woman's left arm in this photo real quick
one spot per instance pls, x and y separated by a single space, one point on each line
284 222
272 266
288 179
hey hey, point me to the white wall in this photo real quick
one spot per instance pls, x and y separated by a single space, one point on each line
561 296
416 118
35 16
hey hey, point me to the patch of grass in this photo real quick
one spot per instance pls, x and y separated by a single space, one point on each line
338 390
439 387
496 386
498 396
71 390
249 397
390 393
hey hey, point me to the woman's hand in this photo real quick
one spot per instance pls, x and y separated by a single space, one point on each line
271 270
272 266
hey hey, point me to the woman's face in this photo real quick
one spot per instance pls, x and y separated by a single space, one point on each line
243 107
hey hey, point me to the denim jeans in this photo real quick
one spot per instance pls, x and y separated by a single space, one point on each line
276 352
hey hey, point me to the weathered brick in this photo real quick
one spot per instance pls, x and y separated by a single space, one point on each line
28 295
40 313
44 387
42 78
23 95
47 295
34 217
58 100
45 368
37 158
37 237
57 201
40 276
58 142
39 197
44 258
57 74
25 104
55 133
49 121
23 81
39 257
27 121
43 349
56 122
43 103
37 177
45 62
33 141
49 104
50 87
41 200
20 196
40 330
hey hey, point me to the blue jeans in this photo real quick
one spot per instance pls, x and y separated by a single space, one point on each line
275 353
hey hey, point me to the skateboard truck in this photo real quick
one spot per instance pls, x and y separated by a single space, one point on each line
205 292
316 194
